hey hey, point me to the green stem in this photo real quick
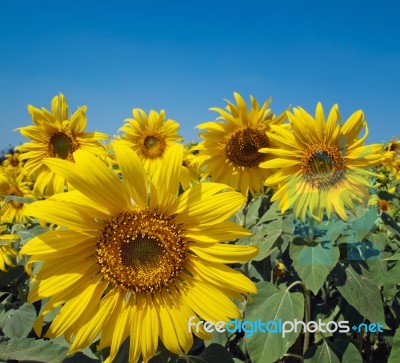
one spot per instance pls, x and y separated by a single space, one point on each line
360 342
311 230
291 286
307 316
307 310
21 294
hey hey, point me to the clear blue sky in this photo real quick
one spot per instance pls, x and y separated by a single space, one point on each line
186 56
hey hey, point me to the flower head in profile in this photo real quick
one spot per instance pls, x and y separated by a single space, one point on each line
13 185
391 157
12 163
323 165
229 152
134 260
7 251
190 173
150 136
55 134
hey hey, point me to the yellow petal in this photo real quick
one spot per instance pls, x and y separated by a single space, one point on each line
204 204
224 253
222 276
62 214
133 172
166 178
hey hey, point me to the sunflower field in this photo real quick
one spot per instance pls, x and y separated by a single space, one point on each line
274 238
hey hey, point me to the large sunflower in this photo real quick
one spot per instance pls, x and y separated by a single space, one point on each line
150 136
229 152
55 135
323 165
135 261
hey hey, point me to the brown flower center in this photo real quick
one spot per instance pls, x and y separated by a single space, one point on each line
152 144
242 147
322 166
141 251
384 205
62 146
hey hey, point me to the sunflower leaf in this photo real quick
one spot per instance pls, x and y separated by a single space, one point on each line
356 287
25 349
264 237
16 199
395 353
313 263
363 225
214 353
321 353
272 304
17 323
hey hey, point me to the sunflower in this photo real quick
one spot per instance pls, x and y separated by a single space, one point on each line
6 249
135 260
11 163
382 205
12 185
150 136
323 166
229 152
190 175
55 135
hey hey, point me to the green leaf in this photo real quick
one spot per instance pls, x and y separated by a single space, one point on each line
271 214
379 240
16 199
217 338
394 257
395 353
313 263
252 212
358 290
351 354
363 225
272 304
214 353
264 238
28 234
391 224
392 280
335 229
321 353
81 357
339 350
378 269
26 349
17 323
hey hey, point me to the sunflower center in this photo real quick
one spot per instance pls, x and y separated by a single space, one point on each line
62 146
13 160
242 147
14 191
141 251
322 166
152 144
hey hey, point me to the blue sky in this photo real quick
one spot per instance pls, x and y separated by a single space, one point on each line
186 56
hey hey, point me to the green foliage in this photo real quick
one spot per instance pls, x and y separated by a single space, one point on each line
331 270
272 303
313 261
28 349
